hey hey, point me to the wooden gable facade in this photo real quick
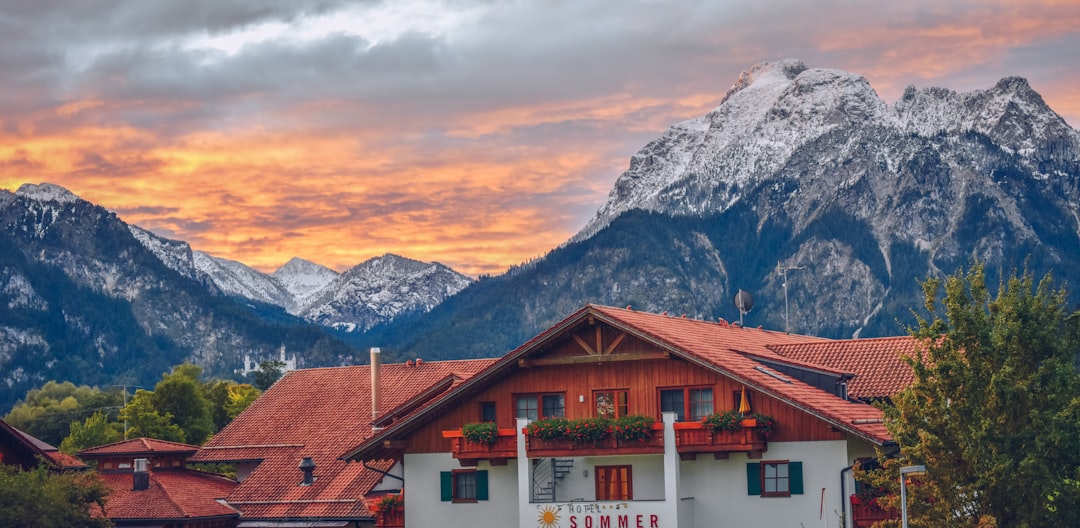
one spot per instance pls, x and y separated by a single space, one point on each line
593 357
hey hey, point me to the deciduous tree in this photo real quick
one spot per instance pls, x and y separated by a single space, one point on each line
994 412
94 431
40 499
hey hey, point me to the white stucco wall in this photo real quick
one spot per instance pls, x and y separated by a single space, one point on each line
647 473
717 488
423 507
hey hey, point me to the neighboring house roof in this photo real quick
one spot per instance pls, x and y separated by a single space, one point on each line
727 349
879 370
319 413
173 494
25 448
138 447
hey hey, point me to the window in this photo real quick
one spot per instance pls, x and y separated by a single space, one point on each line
487 411
774 478
736 396
695 403
464 485
614 483
611 403
536 406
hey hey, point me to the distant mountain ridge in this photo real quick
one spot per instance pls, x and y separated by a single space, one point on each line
373 292
799 168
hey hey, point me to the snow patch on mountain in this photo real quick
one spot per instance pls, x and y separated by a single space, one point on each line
237 279
303 279
381 289
47 192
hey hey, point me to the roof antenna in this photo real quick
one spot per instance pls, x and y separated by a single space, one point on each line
744 302
782 271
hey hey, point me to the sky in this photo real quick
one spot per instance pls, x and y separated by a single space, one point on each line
476 133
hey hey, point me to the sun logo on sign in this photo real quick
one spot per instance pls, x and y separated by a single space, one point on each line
549 517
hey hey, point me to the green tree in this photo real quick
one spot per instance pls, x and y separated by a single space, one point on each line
994 410
144 420
181 395
96 430
267 373
240 397
38 498
48 412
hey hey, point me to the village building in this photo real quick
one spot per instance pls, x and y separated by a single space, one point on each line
790 466
18 448
287 445
151 487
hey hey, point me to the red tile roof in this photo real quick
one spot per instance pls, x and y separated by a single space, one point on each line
879 371
30 447
724 348
173 494
319 413
139 446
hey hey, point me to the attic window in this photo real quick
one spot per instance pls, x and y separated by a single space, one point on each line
773 374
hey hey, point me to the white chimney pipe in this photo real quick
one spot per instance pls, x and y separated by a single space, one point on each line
375 382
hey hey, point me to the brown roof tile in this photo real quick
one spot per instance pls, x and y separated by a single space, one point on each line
139 446
173 494
879 370
318 413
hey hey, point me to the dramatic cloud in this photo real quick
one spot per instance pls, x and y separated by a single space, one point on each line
478 134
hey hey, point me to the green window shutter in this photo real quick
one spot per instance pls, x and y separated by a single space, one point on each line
795 476
482 485
446 481
753 478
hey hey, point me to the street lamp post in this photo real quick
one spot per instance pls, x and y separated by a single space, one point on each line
904 472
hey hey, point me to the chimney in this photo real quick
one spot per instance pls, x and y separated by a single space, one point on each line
307 465
141 480
374 383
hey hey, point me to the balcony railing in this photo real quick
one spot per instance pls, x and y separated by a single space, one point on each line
608 446
692 438
469 452
394 518
866 513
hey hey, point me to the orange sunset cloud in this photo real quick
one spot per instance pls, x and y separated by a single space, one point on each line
479 140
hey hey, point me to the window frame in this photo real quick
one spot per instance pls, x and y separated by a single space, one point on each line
687 402
484 406
756 478
765 479
539 399
620 409
457 480
614 469
448 485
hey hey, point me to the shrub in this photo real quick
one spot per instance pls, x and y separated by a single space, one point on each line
389 503
765 424
633 427
588 430
480 432
724 421
549 428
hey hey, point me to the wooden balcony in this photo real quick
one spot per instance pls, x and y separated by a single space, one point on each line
469 453
390 519
610 446
864 515
693 438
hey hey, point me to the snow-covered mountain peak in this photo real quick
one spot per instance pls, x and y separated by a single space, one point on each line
47 192
303 278
765 73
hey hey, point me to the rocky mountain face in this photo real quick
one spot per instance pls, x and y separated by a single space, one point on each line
806 169
82 299
374 292
380 290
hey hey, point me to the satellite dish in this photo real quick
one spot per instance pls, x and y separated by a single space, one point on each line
744 301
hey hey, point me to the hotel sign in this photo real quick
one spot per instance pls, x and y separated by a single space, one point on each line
646 514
